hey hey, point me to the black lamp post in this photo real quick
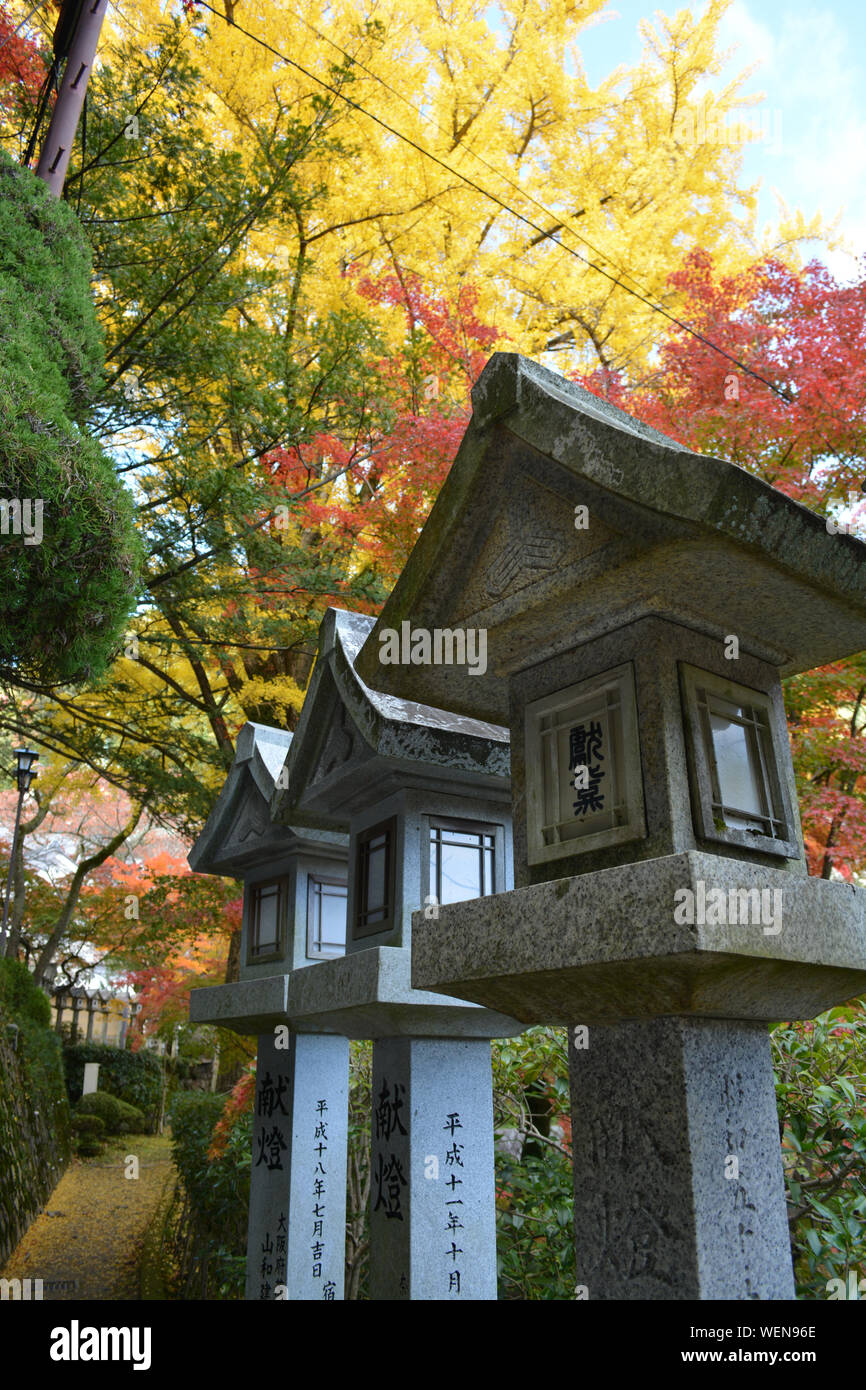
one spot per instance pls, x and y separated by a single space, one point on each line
25 774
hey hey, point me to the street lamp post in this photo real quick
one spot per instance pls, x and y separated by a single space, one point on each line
26 758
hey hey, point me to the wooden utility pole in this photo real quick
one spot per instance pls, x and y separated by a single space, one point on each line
78 27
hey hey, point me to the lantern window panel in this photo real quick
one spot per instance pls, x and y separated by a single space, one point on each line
375 880
267 906
462 860
736 752
326 917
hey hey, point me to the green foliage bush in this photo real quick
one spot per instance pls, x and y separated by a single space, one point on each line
20 996
534 1194
85 1123
107 1107
134 1077
90 1133
66 600
821 1094
89 1148
132 1119
116 1115
217 1188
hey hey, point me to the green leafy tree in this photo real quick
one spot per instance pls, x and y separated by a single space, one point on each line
69 555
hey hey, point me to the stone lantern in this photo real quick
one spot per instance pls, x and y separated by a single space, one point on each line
641 604
294 916
424 797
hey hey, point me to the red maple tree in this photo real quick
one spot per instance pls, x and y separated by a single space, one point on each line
805 334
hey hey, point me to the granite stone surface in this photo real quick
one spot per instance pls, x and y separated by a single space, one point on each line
296 1235
678 1186
354 746
606 946
365 995
656 649
238 833
432 1212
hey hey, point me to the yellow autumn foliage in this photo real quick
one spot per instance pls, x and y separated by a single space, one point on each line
617 173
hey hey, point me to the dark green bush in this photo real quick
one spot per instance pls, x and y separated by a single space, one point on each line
217 1189
108 1108
134 1077
67 598
89 1148
20 996
821 1094
132 1119
91 1125
117 1116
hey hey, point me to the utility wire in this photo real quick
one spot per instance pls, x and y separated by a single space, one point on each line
565 225
545 235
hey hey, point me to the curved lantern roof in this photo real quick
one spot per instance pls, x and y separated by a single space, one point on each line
689 537
354 745
239 831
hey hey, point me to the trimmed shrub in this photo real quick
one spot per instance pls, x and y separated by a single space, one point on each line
133 1077
132 1119
108 1108
92 1125
117 1116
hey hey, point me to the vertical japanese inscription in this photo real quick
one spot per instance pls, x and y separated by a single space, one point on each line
389 1176
320 1148
454 1201
585 752
272 1142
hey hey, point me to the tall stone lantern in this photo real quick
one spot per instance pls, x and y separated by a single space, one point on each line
424 797
294 917
641 604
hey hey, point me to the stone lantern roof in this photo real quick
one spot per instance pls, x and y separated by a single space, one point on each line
239 833
354 744
667 532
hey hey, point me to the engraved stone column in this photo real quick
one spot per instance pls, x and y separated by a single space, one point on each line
296 1238
678 1187
432 1215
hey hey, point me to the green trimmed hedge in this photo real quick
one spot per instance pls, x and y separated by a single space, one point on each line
116 1115
92 1125
133 1077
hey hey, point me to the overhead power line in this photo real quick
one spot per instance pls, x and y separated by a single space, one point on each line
493 197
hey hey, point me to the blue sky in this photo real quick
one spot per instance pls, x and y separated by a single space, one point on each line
812 69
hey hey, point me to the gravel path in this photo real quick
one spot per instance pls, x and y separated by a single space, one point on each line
86 1243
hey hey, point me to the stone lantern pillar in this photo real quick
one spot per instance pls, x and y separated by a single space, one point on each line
424 796
641 604
294 917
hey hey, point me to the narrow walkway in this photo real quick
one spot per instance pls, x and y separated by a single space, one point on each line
87 1241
